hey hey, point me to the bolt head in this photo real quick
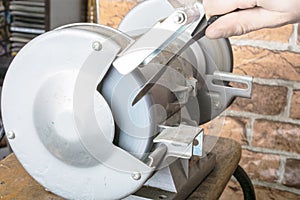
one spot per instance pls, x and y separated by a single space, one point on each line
195 142
10 135
136 175
217 105
179 18
97 46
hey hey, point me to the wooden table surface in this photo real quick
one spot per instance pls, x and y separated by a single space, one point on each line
16 184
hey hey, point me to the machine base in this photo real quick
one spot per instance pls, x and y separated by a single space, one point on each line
198 171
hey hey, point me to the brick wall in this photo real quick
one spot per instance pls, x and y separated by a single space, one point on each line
267 125
270 121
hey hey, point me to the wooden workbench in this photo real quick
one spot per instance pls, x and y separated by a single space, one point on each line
16 184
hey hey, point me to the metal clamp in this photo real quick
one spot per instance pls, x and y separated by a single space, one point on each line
180 141
221 93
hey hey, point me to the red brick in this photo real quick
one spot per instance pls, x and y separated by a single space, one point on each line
267 100
228 127
233 191
292 173
112 12
295 105
260 166
276 135
265 63
281 34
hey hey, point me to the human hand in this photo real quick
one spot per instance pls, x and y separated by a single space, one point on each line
253 15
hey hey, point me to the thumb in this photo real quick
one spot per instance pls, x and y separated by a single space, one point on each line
244 21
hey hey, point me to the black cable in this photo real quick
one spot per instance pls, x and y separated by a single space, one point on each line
2 133
245 183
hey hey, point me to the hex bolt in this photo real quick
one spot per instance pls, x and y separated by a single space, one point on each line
217 105
10 135
195 142
136 175
97 46
179 18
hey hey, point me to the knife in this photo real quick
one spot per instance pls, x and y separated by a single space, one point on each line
197 34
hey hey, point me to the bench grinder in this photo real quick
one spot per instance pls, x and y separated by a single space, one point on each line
68 113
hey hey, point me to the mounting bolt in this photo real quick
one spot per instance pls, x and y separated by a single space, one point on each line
97 46
10 135
218 105
179 17
136 175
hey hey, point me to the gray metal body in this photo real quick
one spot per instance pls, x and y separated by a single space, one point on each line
175 183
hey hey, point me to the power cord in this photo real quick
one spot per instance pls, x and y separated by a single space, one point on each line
245 183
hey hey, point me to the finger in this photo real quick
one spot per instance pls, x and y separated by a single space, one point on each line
244 21
218 7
